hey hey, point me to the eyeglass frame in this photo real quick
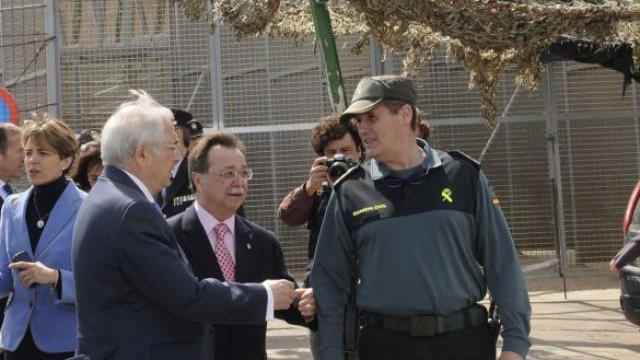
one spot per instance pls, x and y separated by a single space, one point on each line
232 174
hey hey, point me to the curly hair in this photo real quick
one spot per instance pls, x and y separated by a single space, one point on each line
329 129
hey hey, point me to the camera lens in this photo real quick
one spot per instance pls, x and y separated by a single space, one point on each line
337 169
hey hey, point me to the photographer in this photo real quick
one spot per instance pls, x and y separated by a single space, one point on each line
307 203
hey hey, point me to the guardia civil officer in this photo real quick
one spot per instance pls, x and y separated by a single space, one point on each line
425 239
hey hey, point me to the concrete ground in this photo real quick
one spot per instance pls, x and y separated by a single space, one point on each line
587 325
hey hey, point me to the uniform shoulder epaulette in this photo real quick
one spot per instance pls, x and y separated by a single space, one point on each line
347 174
460 155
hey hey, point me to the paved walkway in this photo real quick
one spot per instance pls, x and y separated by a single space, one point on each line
588 325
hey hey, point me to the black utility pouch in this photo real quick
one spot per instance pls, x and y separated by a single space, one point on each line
351 331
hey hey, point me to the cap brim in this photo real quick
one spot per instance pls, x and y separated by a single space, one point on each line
359 107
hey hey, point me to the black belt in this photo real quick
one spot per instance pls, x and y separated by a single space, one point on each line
427 325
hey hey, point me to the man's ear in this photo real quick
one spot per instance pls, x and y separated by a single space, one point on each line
197 180
141 153
407 113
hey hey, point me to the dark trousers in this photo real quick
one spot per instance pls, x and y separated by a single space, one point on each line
27 350
472 343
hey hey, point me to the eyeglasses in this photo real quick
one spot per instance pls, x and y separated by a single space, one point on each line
231 174
416 178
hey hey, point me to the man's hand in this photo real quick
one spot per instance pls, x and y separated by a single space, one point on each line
612 266
282 291
35 273
317 175
510 355
306 302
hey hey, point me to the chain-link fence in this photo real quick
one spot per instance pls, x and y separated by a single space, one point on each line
270 93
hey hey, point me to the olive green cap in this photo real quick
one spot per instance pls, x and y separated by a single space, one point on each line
371 91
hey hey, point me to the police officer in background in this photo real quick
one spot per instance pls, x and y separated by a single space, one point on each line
195 131
178 196
425 240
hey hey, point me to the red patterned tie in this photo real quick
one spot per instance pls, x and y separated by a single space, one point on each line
225 260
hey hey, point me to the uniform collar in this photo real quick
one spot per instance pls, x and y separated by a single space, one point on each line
379 170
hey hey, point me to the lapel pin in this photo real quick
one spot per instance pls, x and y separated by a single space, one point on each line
248 246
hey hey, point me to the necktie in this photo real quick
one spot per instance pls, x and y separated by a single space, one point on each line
227 265
7 188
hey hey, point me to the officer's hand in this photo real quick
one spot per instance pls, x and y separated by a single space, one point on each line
282 291
510 355
306 302
612 266
317 175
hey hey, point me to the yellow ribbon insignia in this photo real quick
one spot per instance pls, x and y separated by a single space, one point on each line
447 195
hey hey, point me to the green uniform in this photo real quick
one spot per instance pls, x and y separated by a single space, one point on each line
428 243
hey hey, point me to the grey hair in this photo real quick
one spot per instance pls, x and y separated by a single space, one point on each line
136 122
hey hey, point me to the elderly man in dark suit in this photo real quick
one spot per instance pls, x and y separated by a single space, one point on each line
136 296
222 245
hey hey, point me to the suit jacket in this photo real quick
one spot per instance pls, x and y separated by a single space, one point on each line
52 320
178 196
136 296
258 258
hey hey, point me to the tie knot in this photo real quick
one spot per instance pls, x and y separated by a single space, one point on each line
220 230
7 188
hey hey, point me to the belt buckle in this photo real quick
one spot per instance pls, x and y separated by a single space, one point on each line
428 325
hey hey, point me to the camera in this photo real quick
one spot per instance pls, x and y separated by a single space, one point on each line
338 166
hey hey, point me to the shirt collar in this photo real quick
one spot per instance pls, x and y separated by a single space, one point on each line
431 161
141 185
208 221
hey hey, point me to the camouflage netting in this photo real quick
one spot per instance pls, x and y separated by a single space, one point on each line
485 35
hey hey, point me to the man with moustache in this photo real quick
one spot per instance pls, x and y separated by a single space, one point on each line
222 245
136 295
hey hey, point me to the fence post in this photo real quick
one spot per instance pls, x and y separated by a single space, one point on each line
52 49
553 154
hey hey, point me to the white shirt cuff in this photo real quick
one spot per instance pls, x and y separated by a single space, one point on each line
269 314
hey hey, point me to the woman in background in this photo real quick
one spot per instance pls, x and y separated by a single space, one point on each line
89 168
35 242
